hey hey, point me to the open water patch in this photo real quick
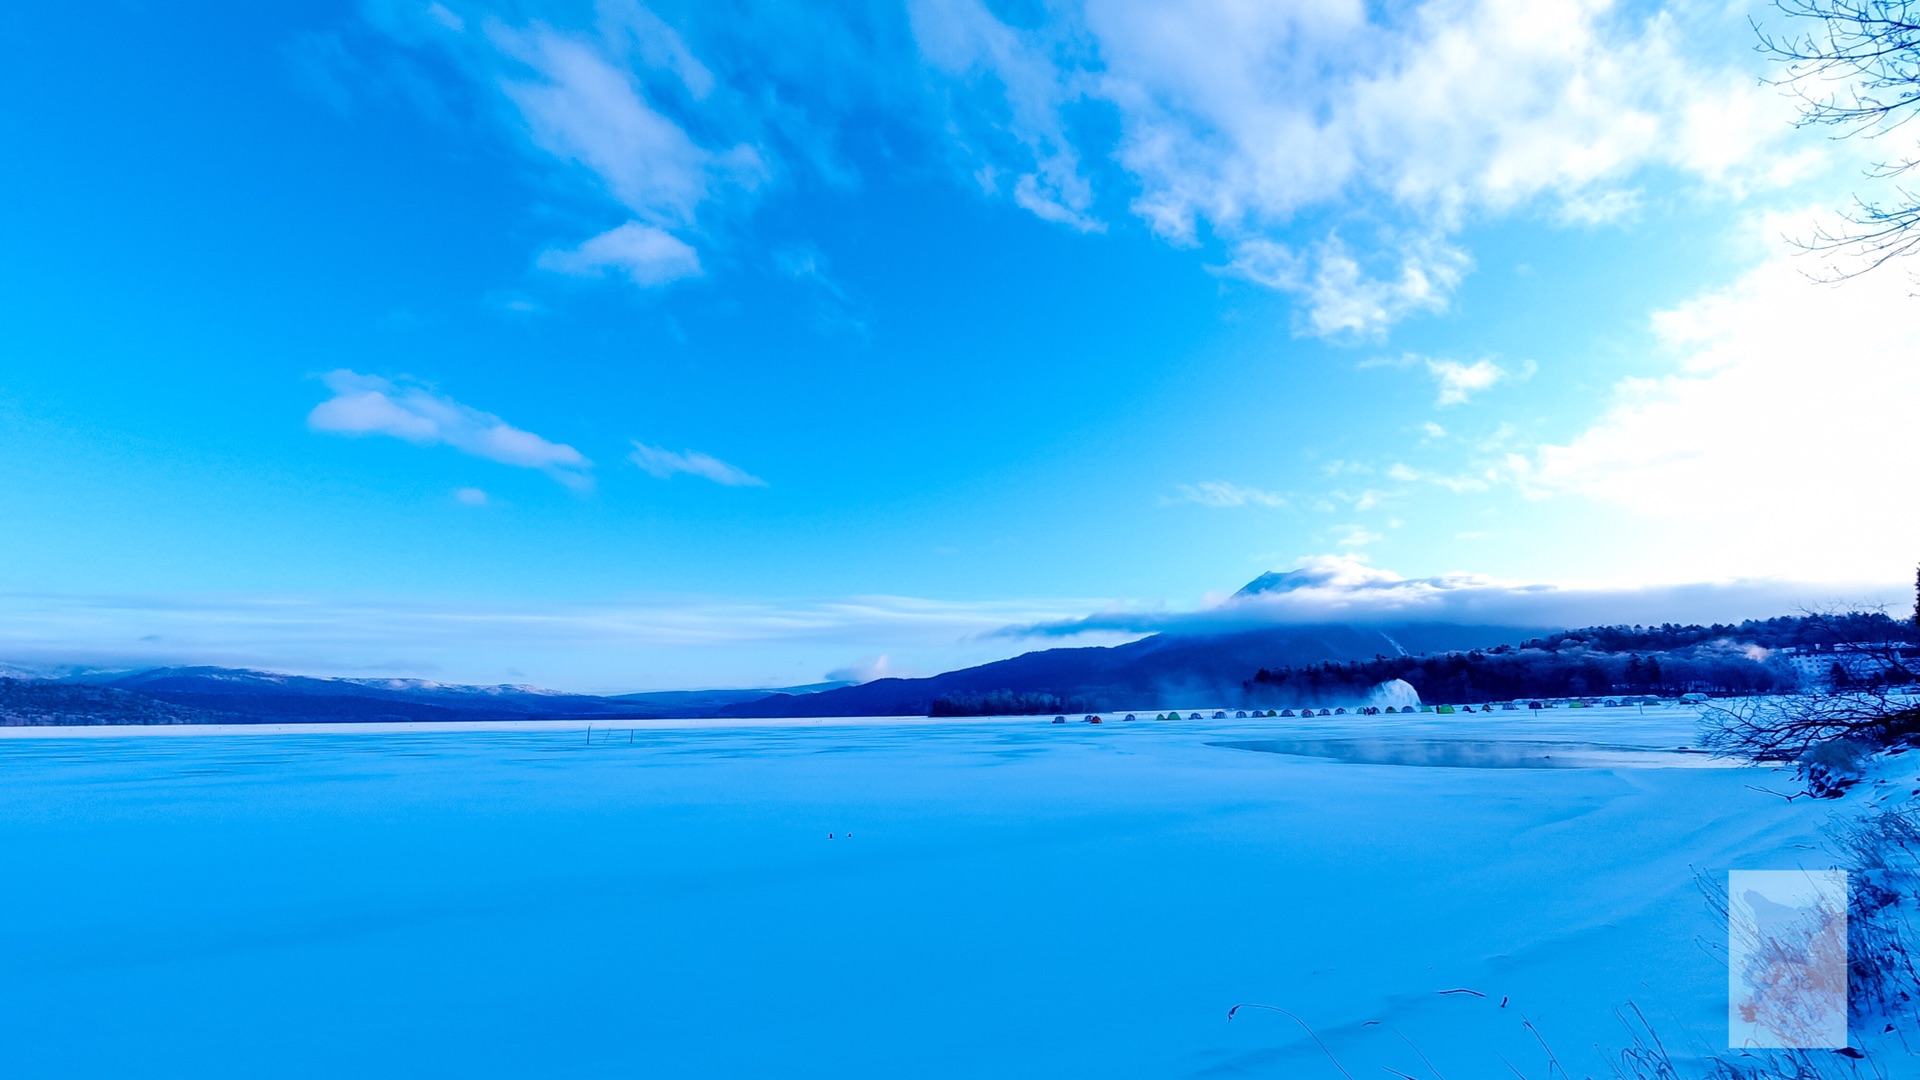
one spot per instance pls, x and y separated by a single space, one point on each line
1485 753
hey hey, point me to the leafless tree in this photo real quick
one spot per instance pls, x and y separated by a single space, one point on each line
1854 65
1787 728
1870 710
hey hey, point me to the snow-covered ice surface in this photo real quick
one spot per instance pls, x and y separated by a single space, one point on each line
916 898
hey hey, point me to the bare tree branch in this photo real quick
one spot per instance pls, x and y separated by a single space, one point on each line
1856 69
1786 728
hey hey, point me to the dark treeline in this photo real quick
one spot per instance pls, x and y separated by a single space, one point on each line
1472 677
1781 632
32 703
1005 703
1666 659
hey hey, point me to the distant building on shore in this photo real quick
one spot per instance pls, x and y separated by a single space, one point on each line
1856 662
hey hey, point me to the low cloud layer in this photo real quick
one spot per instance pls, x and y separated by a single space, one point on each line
370 405
642 643
1346 589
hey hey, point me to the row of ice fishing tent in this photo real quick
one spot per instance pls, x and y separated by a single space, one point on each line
1443 710
1242 714
1218 715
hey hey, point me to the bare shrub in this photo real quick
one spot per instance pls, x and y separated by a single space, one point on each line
1647 1058
1881 850
1787 728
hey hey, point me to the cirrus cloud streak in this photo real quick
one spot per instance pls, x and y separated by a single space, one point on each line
666 464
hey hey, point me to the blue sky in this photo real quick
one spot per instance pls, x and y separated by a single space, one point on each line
615 347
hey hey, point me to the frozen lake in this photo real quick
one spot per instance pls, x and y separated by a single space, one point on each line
956 898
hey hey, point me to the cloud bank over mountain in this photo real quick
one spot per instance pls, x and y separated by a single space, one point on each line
1346 589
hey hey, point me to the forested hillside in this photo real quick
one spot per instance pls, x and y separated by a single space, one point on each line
1727 658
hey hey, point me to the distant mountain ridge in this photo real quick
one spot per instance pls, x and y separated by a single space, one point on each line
40 703
1165 669
242 695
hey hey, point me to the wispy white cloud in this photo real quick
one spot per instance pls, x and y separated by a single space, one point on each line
616 101
582 103
1359 501
1236 121
667 463
1222 494
1597 208
446 18
963 39
1353 537
1343 467
643 254
1459 382
835 309
404 409
1331 149
1343 296
1457 483
471 496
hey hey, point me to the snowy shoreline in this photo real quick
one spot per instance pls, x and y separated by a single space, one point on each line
350 727
1669 723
